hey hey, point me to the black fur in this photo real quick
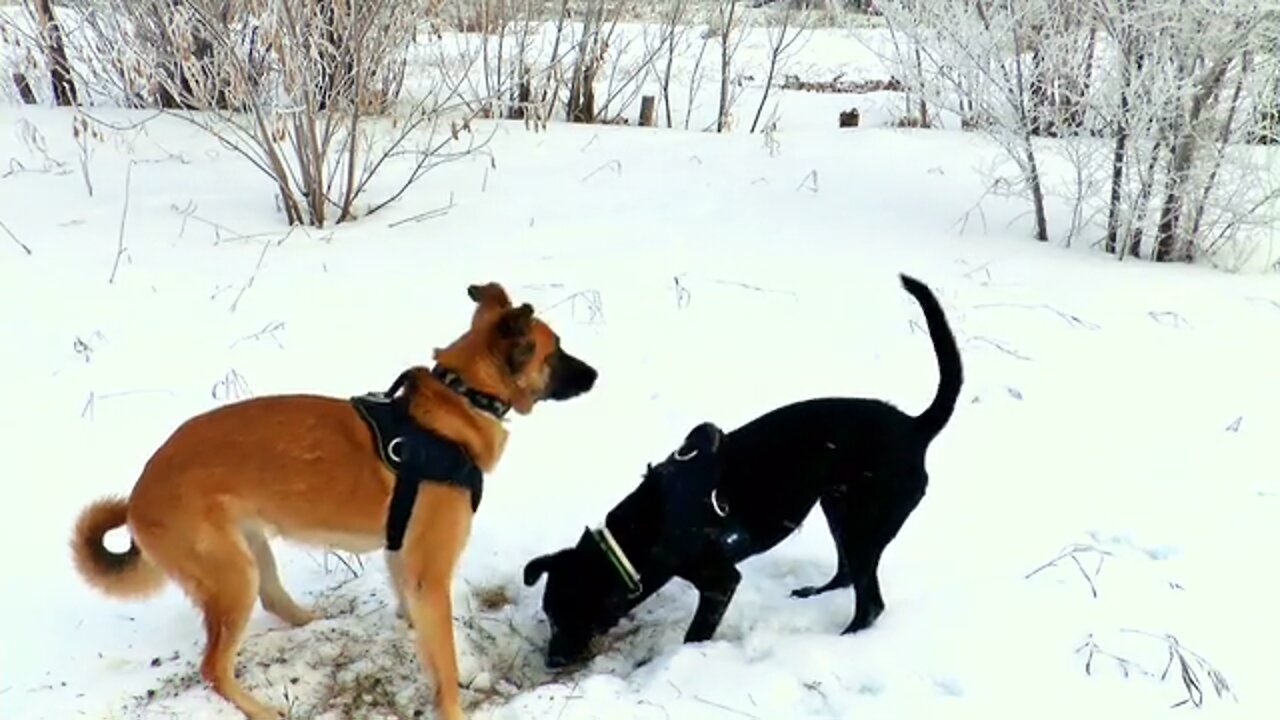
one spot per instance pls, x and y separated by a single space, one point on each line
861 460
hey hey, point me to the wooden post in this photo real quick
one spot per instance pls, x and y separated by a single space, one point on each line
648 111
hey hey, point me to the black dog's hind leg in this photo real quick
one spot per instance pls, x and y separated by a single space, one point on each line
872 526
716 581
831 505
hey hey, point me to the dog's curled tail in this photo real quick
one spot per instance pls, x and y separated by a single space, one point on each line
123 575
950 371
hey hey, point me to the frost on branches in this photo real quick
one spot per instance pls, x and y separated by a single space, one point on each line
1168 110
308 91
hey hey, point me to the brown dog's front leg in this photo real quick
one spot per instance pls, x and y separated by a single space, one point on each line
432 615
437 533
395 568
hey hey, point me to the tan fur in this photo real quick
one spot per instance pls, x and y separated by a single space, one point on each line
304 467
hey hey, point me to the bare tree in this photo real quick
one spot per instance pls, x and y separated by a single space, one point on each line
782 36
728 32
1169 84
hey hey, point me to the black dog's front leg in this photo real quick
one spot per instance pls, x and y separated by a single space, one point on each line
716 583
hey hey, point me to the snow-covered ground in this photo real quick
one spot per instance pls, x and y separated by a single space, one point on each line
1122 408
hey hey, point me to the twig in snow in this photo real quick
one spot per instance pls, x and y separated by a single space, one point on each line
1071 553
963 220
1169 318
269 331
428 215
9 232
726 708
595 304
615 165
683 296
655 706
1190 665
232 386
348 564
757 288
124 216
1069 318
258 266
999 346
984 268
1273 303
810 182
572 695
189 213
91 402
1092 649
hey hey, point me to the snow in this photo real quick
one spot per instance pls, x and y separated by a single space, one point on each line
1126 407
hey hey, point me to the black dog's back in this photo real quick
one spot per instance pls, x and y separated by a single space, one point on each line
778 465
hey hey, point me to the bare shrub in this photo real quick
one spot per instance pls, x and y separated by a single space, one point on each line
308 91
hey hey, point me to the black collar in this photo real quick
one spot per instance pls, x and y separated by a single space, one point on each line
481 401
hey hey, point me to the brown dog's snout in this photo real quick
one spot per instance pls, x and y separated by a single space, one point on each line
570 377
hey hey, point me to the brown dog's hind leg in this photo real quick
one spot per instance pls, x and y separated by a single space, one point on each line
211 560
229 581
275 599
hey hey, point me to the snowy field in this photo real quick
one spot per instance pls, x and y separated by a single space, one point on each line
1120 409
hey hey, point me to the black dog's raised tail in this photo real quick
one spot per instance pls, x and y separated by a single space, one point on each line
950 372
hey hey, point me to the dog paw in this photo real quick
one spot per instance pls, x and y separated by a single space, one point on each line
404 615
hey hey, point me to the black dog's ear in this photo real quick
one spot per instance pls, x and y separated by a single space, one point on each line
539 566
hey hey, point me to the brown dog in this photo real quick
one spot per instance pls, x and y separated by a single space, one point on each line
306 467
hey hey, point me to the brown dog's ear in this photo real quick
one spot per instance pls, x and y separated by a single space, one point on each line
515 323
490 294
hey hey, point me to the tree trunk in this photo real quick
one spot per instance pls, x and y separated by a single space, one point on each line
1224 139
1076 107
725 60
1032 169
1118 157
1182 157
24 88
64 87
648 111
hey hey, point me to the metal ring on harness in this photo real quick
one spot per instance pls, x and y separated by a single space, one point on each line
391 449
689 456
715 504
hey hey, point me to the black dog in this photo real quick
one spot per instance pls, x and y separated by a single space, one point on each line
722 498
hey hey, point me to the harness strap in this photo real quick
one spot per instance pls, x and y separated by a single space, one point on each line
415 454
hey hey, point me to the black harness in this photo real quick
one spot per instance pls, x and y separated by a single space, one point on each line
693 512
416 454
